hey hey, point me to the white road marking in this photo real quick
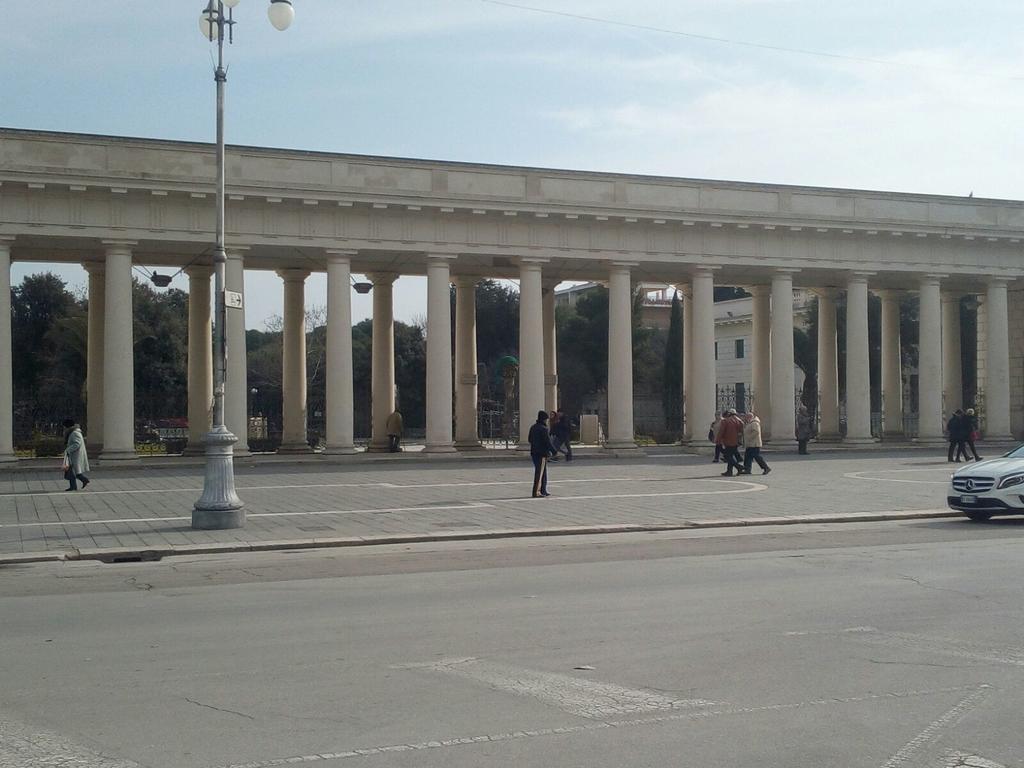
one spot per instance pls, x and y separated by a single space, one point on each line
23 746
963 760
244 488
469 505
699 714
862 476
575 695
932 731
942 646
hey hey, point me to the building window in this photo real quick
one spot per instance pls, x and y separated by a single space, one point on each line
739 349
716 350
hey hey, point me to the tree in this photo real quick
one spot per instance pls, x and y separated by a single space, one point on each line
672 378
160 352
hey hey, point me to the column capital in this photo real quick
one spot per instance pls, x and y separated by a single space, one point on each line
932 278
785 271
441 257
92 267
199 272
532 262
293 275
465 281
548 284
119 246
236 252
826 292
340 255
952 296
889 294
704 270
994 280
758 290
6 241
859 277
382 278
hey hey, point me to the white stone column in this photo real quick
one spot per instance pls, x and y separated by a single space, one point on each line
761 356
620 358
340 436
858 361
118 358
439 354
531 346
702 379
293 362
783 387
550 342
828 366
690 432
6 352
952 361
892 376
382 372
929 362
467 437
200 358
94 358
997 372
236 377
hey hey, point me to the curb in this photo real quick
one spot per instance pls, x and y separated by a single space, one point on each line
152 554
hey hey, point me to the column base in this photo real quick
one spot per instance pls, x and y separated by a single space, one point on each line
194 449
294 448
339 450
217 520
380 448
8 458
621 445
1007 438
469 445
780 445
439 448
930 440
829 438
111 457
243 451
893 436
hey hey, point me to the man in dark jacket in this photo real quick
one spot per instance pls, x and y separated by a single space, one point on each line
561 432
957 429
540 451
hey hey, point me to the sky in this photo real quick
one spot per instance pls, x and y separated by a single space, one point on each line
919 96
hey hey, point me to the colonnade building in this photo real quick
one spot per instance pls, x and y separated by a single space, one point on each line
108 203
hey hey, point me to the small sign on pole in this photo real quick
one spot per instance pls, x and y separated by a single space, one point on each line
233 299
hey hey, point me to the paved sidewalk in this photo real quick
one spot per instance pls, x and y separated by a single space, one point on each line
128 512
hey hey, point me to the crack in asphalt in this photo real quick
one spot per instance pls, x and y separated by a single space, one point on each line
218 709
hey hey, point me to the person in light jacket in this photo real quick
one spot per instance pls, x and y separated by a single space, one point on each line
752 443
394 429
76 459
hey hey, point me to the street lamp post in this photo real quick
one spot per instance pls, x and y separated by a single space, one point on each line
219 507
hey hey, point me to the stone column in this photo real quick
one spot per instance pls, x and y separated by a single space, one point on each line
200 358
690 433
118 358
892 376
531 346
236 378
293 362
439 354
6 351
761 356
702 379
550 356
467 437
382 372
620 358
858 378
997 361
929 363
94 358
828 366
340 437
952 361
783 387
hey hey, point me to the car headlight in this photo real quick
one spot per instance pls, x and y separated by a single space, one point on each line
1012 480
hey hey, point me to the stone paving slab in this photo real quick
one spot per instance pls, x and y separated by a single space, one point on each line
135 510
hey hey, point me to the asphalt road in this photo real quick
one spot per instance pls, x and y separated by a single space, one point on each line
856 645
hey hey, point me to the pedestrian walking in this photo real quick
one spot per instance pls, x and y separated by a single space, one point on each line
561 434
713 437
730 434
552 425
541 450
957 430
394 429
973 435
752 443
804 429
76 458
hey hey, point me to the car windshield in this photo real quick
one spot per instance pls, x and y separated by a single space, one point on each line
1016 453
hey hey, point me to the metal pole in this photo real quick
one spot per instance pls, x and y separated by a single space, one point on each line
219 507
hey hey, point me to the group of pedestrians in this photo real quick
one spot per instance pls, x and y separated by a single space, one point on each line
728 433
545 445
962 432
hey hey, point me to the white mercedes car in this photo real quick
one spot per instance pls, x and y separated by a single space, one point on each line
991 487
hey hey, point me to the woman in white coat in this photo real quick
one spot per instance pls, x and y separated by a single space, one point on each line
752 445
76 459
